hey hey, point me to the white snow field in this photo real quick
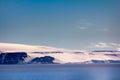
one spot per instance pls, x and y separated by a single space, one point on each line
61 55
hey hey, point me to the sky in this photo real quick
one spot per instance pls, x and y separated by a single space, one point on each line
71 24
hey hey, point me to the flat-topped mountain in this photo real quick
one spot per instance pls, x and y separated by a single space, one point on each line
29 54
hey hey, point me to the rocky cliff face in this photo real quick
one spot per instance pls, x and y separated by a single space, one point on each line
43 60
19 58
13 58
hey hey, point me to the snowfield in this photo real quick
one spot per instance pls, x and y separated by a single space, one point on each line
60 55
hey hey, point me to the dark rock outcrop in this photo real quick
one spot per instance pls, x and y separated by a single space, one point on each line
106 61
114 61
12 57
48 52
98 61
43 60
111 55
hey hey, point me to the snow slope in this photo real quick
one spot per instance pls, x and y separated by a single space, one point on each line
60 55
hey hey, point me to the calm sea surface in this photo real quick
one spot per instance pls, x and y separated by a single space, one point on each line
60 72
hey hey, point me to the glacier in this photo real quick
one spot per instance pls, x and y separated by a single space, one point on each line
34 54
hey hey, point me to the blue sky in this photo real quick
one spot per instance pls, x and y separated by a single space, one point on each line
72 24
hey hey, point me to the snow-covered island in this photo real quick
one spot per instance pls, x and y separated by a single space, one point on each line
33 54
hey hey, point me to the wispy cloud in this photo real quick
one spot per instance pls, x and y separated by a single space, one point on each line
82 28
84 24
106 29
103 45
118 49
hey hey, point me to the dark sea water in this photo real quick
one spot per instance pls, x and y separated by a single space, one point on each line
60 72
